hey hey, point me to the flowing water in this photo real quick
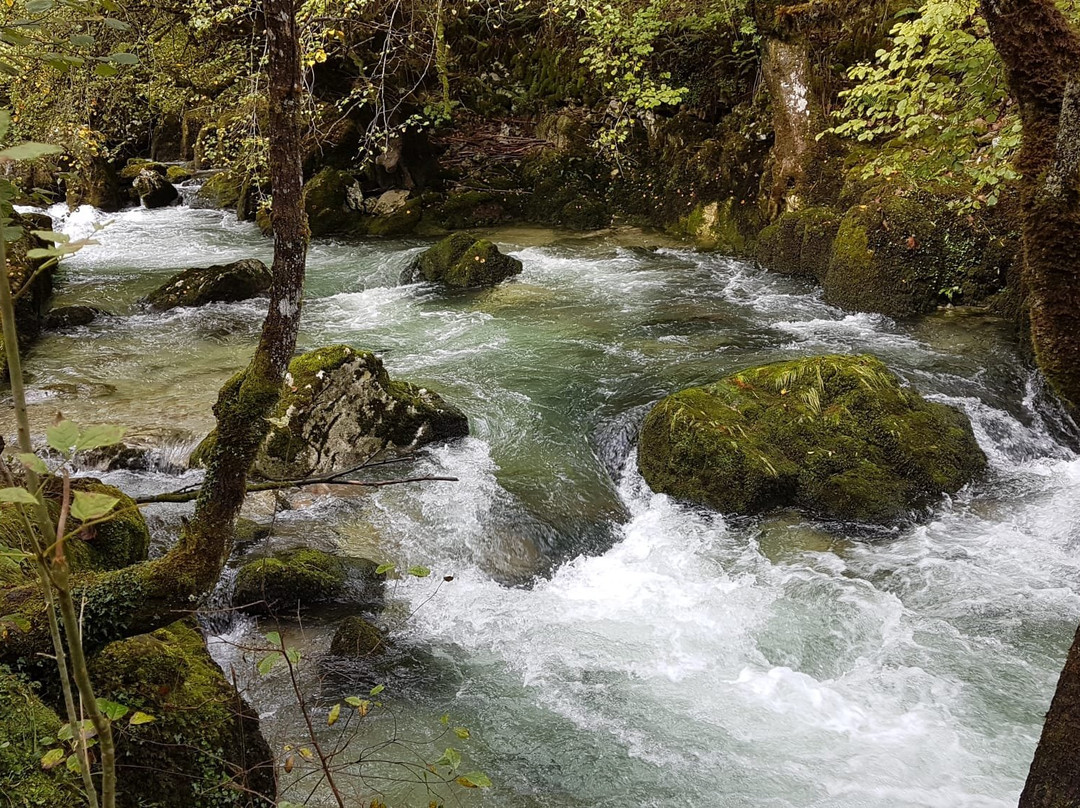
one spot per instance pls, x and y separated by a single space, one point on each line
607 646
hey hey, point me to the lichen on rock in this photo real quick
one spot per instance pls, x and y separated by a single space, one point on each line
837 436
222 283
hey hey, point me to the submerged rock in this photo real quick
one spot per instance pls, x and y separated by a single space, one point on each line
463 261
298 579
837 436
357 637
65 317
154 190
122 540
203 733
222 283
339 408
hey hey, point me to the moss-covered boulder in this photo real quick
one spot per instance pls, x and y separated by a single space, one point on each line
335 205
729 225
35 288
799 242
837 436
339 408
28 729
136 165
119 542
358 638
462 210
154 190
178 174
326 201
204 748
65 317
222 190
222 283
462 261
301 578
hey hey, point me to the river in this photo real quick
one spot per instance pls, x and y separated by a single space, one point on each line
604 645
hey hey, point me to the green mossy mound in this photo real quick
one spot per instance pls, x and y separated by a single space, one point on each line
204 748
463 261
223 283
27 730
799 242
326 202
298 579
726 226
178 174
136 165
357 637
463 210
119 542
23 272
837 436
222 190
335 206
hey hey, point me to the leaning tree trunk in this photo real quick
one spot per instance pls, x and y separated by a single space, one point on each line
147 596
1041 53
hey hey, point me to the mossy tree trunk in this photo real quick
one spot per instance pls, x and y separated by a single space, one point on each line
148 596
1041 52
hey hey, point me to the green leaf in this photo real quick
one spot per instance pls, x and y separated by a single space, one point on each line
335 713
273 638
462 732
106 71
383 568
377 690
266 664
451 757
17 494
112 710
474 780
419 572
52 758
62 436
39 6
28 151
353 701
118 25
81 40
74 764
33 462
292 655
141 718
445 719
49 235
98 435
121 58
89 505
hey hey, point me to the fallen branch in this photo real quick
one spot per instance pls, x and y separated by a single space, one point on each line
190 496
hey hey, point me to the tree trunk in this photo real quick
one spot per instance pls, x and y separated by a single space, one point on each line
1041 53
148 596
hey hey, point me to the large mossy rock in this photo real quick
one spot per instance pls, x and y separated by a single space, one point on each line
222 190
35 288
222 283
335 206
463 261
122 540
339 408
837 436
799 242
28 728
204 748
154 190
358 638
301 578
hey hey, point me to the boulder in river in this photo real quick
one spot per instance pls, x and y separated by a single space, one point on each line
203 734
463 261
339 408
357 637
300 578
154 190
64 317
837 436
222 283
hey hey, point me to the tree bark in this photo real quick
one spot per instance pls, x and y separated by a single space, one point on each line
148 596
1041 52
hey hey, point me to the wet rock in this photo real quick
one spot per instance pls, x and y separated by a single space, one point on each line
799 242
222 190
96 184
137 165
64 317
301 578
222 283
463 261
25 720
339 408
836 436
249 532
335 205
326 201
358 638
462 210
154 190
120 541
171 676
178 174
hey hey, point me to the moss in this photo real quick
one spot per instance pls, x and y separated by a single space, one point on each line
178 174
566 190
222 190
325 201
724 226
28 730
301 578
249 532
462 210
357 637
204 747
463 261
137 165
835 435
119 542
198 286
398 223
799 242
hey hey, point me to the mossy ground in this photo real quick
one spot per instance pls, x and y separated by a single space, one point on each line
836 435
